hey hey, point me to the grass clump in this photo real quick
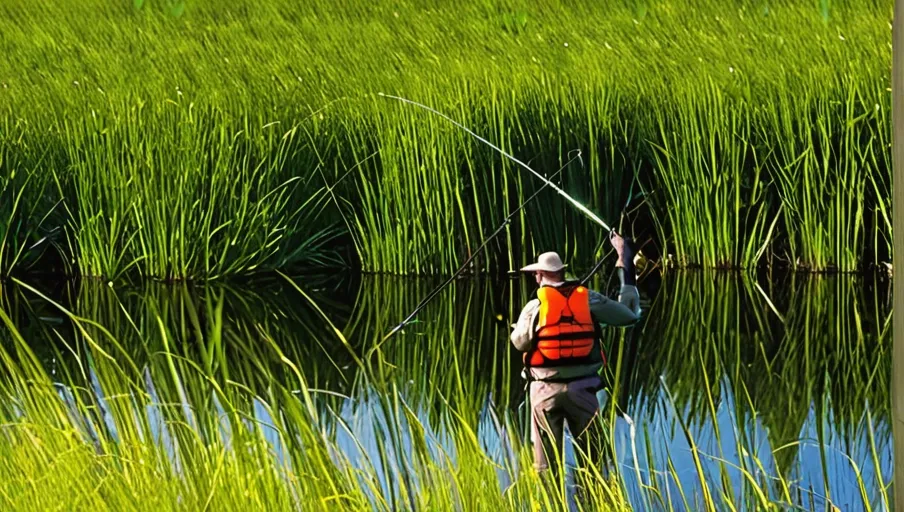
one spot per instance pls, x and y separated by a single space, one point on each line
29 208
184 192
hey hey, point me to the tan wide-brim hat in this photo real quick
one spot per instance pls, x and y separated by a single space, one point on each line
547 262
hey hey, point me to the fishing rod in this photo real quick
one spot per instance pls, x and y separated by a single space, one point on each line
464 265
583 209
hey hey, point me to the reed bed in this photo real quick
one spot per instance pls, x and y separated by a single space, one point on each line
222 198
29 207
757 132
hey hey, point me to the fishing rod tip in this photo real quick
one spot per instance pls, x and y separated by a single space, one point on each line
393 331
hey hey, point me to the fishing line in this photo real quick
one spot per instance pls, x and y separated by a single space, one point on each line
561 192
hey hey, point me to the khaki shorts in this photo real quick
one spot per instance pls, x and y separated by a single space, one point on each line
553 404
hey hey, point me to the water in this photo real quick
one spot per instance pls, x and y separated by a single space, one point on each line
782 375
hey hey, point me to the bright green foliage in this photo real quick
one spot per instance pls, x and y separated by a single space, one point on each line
758 131
170 397
207 198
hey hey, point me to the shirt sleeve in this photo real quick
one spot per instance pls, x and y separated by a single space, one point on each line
623 312
524 329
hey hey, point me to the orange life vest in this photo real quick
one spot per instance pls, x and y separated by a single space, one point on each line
566 333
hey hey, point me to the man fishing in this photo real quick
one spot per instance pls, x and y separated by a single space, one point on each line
559 334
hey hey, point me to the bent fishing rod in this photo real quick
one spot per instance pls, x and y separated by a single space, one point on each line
506 222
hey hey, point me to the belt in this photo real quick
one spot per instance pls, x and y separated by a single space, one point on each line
555 380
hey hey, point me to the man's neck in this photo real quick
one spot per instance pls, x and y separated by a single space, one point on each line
546 282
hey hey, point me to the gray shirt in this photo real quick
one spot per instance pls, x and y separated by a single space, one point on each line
604 310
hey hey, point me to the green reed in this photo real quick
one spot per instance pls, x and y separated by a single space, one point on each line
875 155
712 188
428 177
822 172
28 212
177 192
705 111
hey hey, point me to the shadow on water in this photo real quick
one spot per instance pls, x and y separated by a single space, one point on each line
729 386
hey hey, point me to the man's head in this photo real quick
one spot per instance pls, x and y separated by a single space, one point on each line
542 277
548 269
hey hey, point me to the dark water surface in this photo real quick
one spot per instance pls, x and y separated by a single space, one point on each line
785 375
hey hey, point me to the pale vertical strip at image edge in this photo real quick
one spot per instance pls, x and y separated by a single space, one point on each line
897 380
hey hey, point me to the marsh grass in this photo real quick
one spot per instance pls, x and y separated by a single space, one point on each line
183 192
28 210
704 108
429 177
707 169
826 157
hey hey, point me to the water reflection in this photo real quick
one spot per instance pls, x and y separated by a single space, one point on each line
786 382
762 377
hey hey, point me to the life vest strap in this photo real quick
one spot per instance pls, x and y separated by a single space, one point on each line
569 336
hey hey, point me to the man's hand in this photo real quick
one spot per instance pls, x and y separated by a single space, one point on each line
631 297
623 249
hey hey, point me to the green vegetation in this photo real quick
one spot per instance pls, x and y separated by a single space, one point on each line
822 350
226 202
26 202
191 409
172 397
189 141
203 140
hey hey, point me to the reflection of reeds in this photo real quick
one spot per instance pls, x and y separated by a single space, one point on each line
715 340
234 397
179 430
456 349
